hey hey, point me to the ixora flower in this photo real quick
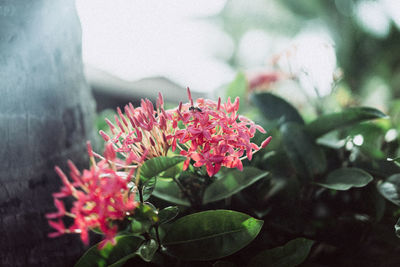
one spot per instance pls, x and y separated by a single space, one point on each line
102 196
209 133
214 134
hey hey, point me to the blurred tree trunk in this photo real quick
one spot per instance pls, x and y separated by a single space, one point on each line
46 112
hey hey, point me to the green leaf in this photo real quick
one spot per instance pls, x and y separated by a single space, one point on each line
111 255
169 191
291 254
307 158
155 166
345 178
397 228
334 121
167 214
147 250
148 188
390 189
276 108
232 182
210 234
144 218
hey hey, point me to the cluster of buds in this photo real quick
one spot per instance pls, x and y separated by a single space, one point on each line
102 194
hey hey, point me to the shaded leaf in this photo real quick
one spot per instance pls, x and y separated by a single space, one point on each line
210 234
329 122
148 188
275 108
291 254
397 228
390 189
307 158
155 166
167 214
232 182
111 255
169 191
345 178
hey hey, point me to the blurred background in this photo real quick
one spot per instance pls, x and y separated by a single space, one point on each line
302 49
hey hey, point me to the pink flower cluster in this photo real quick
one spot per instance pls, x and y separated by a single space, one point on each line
209 133
140 130
102 196
213 134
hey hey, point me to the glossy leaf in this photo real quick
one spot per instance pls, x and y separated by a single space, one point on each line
111 255
397 228
345 178
148 188
275 108
390 189
155 166
169 191
291 254
147 250
232 182
210 234
167 214
329 122
307 158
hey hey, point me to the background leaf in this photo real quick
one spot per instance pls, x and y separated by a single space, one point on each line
210 234
291 254
345 178
326 123
307 158
390 189
167 214
111 255
232 182
169 191
275 108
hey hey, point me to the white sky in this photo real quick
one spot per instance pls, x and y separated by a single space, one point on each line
133 39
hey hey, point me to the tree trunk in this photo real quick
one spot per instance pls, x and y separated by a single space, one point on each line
46 112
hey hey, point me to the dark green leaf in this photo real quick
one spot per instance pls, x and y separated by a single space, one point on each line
276 108
232 182
155 166
169 191
329 122
148 188
397 228
210 234
390 189
291 254
147 250
111 255
307 158
345 178
167 214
